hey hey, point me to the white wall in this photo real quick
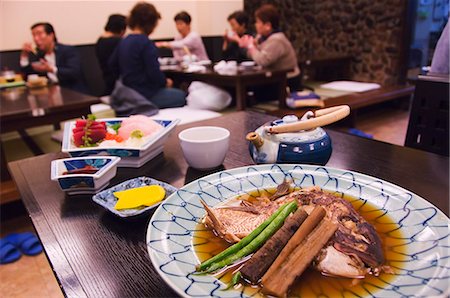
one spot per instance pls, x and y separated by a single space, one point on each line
82 21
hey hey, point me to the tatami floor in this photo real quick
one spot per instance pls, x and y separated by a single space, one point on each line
33 276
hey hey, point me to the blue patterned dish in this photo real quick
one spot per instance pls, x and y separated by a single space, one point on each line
84 183
424 271
107 199
131 156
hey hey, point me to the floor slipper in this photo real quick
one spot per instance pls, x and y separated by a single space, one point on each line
27 242
8 252
360 133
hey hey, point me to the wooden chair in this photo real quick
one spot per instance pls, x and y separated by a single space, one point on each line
428 127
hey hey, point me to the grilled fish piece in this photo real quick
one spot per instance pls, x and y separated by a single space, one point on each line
354 250
237 219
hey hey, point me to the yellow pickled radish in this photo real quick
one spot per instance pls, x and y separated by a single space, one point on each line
139 196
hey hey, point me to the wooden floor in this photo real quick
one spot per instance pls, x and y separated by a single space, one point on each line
33 276
385 124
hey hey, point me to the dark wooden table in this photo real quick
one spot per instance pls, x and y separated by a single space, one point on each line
240 80
96 254
22 108
356 101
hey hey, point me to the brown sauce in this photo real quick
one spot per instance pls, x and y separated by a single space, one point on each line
311 283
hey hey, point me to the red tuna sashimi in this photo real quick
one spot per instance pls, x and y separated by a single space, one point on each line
97 135
77 129
94 136
78 138
93 127
80 123
84 122
93 130
97 126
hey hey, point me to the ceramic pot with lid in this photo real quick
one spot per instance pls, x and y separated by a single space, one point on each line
290 140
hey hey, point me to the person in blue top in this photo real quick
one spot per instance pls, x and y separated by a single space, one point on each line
135 60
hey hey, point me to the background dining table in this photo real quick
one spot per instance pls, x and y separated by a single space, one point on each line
240 79
96 254
23 107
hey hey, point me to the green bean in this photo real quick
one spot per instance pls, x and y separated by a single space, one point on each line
234 280
259 240
244 241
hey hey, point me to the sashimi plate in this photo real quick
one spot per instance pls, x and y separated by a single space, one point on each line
131 156
423 271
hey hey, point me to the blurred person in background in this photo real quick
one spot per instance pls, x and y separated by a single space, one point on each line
114 30
135 60
58 62
238 21
271 49
187 42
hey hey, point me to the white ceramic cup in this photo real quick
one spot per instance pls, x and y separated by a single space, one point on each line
204 147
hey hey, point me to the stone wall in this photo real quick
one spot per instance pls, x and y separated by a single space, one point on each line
369 31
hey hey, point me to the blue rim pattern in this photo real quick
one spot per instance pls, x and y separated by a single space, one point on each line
72 183
74 164
426 269
107 200
83 182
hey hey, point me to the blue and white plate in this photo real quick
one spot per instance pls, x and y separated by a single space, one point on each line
423 271
107 200
72 182
130 156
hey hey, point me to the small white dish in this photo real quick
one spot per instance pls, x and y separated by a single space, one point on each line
84 175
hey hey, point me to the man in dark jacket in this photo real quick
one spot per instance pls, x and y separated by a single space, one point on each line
59 63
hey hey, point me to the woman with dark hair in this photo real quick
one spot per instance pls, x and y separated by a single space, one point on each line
238 21
187 42
271 48
135 60
105 46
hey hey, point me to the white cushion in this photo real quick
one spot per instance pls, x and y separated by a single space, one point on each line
99 107
101 110
207 97
185 114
